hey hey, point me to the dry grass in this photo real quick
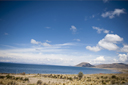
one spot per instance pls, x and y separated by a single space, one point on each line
63 79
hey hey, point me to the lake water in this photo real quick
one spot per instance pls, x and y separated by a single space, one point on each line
49 69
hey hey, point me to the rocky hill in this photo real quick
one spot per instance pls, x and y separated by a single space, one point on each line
114 65
85 64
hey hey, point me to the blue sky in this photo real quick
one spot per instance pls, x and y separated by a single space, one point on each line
64 32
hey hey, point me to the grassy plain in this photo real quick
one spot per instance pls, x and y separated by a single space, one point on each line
63 79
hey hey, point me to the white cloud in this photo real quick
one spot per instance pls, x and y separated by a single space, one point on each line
101 58
118 12
37 42
48 41
112 14
106 31
66 44
73 29
113 38
99 30
107 45
105 1
39 55
123 57
34 41
125 48
115 60
45 44
111 31
109 42
36 58
94 48
5 33
77 39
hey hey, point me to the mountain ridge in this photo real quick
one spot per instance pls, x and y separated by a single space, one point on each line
113 65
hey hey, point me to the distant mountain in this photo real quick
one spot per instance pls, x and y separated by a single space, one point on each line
85 64
114 65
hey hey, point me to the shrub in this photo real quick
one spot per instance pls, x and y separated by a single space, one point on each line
17 78
26 79
123 82
61 77
1 77
1 82
80 75
21 78
12 83
75 77
101 76
89 80
23 73
45 84
39 82
97 77
112 81
70 78
113 76
8 76
63 83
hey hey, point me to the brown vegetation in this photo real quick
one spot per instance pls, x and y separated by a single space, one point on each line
64 79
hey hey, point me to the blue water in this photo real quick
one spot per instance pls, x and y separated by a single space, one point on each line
48 69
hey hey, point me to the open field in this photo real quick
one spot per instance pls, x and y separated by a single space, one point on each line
63 79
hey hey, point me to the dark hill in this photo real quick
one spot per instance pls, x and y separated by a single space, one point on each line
85 64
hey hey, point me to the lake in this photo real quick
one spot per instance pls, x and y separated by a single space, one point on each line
49 69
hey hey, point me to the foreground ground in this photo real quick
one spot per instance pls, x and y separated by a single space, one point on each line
63 79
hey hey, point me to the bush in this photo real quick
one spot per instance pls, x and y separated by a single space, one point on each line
123 82
63 83
39 82
1 82
113 82
26 79
1 77
45 84
23 73
75 77
17 78
102 77
12 83
80 75
70 78
8 76
113 76
21 78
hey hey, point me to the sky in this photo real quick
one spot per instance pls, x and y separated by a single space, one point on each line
64 32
